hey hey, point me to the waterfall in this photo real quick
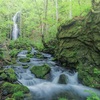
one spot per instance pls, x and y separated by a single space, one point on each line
15 30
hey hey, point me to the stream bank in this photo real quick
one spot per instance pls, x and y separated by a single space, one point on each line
45 79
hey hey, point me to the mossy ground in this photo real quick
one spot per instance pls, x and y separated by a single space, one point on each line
14 91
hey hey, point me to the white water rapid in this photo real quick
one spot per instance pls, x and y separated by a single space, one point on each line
50 88
15 30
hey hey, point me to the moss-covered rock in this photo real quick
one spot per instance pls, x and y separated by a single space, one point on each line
9 75
30 55
40 71
18 95
39 55
14 91
24 60
13 88
25 67
14 52
90 76
4 76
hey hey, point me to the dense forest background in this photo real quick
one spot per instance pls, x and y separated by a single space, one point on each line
39 17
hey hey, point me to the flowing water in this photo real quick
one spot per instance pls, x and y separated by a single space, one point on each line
15 30
50 89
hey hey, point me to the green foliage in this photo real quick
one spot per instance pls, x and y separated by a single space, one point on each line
62 99
10 99
93 96
18 95
40 71
1 54
21 43
30 55
24 60
25 67
89 75
31 22
9 75
13 88
14 52
4 76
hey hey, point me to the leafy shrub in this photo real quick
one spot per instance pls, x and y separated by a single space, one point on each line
21 43
93 96
14 52
18 95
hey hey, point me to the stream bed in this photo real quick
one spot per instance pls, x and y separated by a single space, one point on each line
50 88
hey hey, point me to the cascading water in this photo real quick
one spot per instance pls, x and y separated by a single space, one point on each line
50 89
15 30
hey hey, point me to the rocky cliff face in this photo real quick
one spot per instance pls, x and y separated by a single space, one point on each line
79 46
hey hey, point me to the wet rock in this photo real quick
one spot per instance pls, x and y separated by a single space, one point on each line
25 67
1 78
63 79
4 93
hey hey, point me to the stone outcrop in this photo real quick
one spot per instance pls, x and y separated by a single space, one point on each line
79 46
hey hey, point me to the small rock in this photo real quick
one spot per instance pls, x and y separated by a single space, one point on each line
62 79
4 93
1 78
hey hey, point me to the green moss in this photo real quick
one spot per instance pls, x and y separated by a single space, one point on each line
10 99
14 52
62 99
13 88
40 71
1 71
4 76
13 61
11 76
18 95
21 43
89 75
24 60
30 55
25 67
38 55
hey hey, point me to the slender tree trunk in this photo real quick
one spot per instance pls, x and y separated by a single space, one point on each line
57 15
45 18
40 21
41 24
57 11
70 11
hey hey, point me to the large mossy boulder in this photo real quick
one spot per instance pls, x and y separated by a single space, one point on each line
40 71
63 79
24 60
79 45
